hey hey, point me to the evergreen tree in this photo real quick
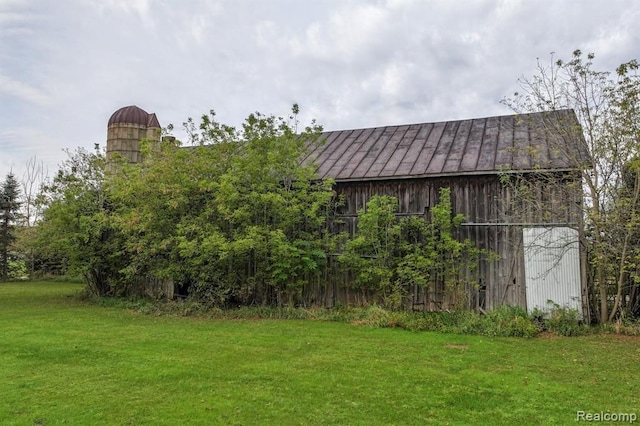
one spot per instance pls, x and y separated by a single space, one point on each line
9 208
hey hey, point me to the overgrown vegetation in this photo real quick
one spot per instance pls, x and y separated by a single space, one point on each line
505 321
233 218
236 219
75 236
390 256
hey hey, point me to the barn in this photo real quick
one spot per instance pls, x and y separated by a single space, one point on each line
515 178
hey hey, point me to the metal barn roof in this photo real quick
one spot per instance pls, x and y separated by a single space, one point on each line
524 142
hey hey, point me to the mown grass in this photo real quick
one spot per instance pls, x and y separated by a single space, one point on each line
64 361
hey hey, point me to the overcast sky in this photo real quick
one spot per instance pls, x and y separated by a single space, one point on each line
67 65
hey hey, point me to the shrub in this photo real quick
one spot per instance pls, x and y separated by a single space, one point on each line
565 322
373 316
510 321
505 321
17 270
624 326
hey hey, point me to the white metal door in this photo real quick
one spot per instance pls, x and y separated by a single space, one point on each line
552 268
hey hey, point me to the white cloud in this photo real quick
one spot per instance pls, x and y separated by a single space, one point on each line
19 144
67 65
23 91
140 7
6 5
351 32
266 33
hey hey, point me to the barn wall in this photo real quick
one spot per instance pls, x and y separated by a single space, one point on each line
495 213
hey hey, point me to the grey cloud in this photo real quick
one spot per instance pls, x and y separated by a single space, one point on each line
67 65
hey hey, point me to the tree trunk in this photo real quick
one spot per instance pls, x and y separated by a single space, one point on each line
623 257
599 252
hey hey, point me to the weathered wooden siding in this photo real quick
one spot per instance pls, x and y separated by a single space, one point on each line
494 214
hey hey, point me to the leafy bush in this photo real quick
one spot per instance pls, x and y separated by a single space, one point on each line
510 321
375 316
505 321
387 255
17 269
565 322
623 326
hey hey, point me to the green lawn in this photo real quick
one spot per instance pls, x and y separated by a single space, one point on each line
63 361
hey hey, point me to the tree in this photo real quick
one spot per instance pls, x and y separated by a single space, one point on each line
34 177
75 235
31 193
388 256
9 215
607 111
235 217
371 256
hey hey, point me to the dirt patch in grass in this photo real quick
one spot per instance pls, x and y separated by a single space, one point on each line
547 335
458 346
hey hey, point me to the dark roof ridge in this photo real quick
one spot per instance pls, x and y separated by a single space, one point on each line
495 146
560 110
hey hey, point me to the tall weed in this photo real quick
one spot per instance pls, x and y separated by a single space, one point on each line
565 322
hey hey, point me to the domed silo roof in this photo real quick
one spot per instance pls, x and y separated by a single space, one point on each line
133 115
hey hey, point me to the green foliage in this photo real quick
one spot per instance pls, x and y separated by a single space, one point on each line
76 235
370 254
235 218
506 321
17 269
389 256
623 326
9 214
512 321
564 321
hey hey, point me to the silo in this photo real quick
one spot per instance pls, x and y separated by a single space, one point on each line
126 128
